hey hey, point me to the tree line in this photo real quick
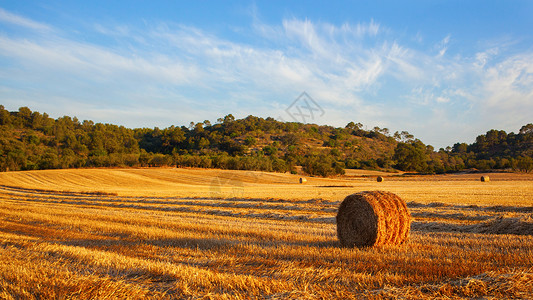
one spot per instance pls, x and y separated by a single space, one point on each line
31 140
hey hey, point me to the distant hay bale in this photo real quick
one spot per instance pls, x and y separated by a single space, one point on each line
303 180
485 179
380 179
373 218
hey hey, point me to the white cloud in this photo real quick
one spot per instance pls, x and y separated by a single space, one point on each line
443 46
507 90
305 33
7 17
94 62
481 58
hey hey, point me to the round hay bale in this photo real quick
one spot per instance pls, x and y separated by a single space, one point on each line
303 180
485 178
380 179
373 218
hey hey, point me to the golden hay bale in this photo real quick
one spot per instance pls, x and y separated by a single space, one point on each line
303 180
380 179
485 178
373 218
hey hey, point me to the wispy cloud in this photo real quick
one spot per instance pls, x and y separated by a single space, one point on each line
507 90
7 17
442 47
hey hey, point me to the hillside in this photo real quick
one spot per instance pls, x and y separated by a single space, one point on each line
31 140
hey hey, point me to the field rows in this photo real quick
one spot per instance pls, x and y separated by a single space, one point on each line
97 245
504 189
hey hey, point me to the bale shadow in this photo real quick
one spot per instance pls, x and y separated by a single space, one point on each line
499 225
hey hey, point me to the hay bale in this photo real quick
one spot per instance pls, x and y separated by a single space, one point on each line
380 179
303 180
373 218
485 178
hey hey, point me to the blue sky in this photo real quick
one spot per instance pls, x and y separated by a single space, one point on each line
446 71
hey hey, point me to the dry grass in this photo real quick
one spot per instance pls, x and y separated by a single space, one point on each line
503 189
141 233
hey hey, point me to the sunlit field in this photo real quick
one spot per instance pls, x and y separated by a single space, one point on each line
191 233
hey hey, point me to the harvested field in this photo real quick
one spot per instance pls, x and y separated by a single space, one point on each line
174 233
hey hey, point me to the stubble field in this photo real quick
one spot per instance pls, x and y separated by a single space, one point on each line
188 233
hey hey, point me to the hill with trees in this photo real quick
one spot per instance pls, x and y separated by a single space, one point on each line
31 140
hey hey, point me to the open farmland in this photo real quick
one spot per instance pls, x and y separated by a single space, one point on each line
191 233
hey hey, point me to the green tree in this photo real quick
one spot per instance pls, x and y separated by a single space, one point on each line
523 164
411 156
250 141
270 150
322 165
526 129
5 116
